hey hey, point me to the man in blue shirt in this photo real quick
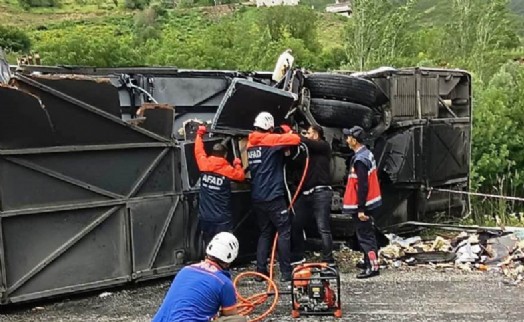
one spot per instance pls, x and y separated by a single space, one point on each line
201 290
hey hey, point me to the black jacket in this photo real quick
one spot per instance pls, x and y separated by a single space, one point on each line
318 173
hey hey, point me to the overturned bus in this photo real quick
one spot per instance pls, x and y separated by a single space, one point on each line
99 186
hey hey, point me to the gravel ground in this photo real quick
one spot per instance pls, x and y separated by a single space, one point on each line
407 294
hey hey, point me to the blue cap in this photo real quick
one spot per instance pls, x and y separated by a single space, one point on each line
356 131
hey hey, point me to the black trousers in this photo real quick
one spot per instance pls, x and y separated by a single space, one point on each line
318 206
367 239
210 229
273 216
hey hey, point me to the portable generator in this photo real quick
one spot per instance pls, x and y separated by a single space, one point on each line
316 290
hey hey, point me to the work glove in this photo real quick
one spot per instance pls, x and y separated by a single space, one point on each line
237 162
201 130
286 128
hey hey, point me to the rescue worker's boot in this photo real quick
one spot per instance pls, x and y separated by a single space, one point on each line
260 279
297 260
372 268
361 265
367 273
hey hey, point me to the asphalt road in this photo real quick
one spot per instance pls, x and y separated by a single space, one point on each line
418 294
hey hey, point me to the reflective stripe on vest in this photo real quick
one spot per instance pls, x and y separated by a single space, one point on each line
373 198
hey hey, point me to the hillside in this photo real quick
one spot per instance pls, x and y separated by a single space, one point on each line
230 36
11 13
42 24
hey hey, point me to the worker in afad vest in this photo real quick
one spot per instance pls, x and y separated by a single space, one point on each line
266 151
201 291
214 207
362 199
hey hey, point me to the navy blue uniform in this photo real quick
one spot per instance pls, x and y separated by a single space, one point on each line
363 195
215 191
266 163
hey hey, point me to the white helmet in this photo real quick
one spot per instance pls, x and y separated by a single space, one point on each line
264 120
223 246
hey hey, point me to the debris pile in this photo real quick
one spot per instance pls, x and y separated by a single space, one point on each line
494 251
346 259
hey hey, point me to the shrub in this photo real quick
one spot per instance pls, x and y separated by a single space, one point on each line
136 4
27 4
14 39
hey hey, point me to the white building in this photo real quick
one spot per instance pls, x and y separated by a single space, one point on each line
270 3
340 7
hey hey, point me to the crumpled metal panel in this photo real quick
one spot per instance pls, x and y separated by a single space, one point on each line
396 157
447 152
99 92
75 122
433 154
25 123
159 121
244 100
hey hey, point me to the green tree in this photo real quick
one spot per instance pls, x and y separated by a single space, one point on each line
14 39
234 42
27 4
146 24
379 32
497 155
297 21
136 4
480 29
77 46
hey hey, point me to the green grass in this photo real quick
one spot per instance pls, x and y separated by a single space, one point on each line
12 14
331 30
29 20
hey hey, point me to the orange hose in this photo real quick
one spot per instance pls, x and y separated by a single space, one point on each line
248 305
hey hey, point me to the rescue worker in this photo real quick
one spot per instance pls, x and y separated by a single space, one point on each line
315 198
363 198
266 163
200 290
215 187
